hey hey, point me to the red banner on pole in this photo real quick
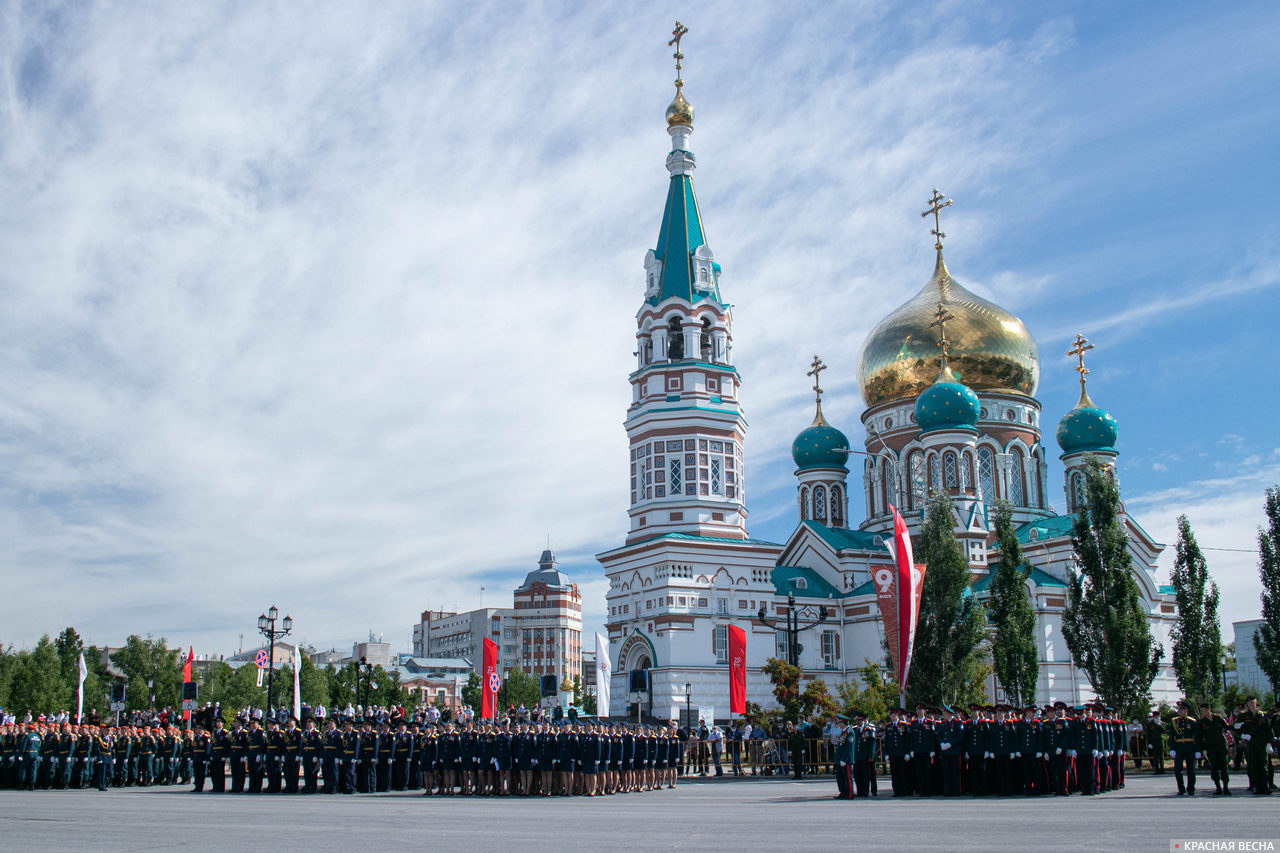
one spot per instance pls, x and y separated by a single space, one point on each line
737 670
898 588
490 681
186 675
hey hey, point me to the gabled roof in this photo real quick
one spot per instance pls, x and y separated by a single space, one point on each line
843 539
1046 528
815 585
681 234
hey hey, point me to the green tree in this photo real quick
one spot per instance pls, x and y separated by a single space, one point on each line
518 688
1105 623
313 682
816 700
152 669
1013 649
874 697
471 693
37 681
1266 640
786 686
1197 636
342 684
951 626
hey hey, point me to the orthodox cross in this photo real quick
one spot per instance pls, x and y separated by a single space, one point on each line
679 33
940 318
936 203
1080 347
818 367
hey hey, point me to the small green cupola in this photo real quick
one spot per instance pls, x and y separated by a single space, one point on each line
1086 428
947 404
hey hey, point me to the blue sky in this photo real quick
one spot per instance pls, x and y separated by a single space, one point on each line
335 311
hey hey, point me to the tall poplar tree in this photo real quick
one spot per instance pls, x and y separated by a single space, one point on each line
1266 641
1013 649
1105 624
952 623
1197 636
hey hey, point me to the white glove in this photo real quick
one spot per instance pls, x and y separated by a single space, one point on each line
1071 752
1039 755
1173 753
946 746
932 754
1238 725
1017 755
1271 750
1058 751
910 755
1246 737
989 755
1197 756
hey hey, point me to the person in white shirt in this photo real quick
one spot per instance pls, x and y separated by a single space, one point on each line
715 738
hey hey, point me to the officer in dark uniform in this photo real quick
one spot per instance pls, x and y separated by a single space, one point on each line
1254 731
864 754
974 737
219 753
401 756
104 748
201 755
950 750
843 749
1184 747
332 756
82 775
146 757
1212 734
350 757
386 753
310 750
923 750
121 748
1154 731
273 767
1058 745
1029 748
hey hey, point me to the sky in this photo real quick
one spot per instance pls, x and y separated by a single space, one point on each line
335 311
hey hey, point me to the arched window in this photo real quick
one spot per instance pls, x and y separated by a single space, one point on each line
675 339
704 342
1015 478
987 474
702 274
837 507
949 470
1037 494
886 479
916 486
820 504
935 473
804 503
1077 491
966 471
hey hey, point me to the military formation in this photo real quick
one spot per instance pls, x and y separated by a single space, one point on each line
357 756
1208 737
991 750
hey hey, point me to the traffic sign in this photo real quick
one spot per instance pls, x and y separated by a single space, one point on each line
117 706
495 681
261 659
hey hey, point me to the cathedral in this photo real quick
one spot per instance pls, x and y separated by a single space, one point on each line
948 380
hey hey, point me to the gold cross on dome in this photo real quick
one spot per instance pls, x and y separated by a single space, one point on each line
1078 349
818 367
940 319
679 33
936 203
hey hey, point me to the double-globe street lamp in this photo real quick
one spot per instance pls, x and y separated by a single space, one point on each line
364 676
792 624
267 627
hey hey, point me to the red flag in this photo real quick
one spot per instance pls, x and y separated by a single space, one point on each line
489 681
186 675
737 670
898 589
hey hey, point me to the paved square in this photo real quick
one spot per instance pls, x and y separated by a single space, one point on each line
713 814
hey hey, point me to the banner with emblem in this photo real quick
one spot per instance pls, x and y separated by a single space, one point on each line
603 672
898 588
737 670
490 681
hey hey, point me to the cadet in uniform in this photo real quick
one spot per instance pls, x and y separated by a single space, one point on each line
896 747
1184 747
951 751
1212 733
201 755
1255 731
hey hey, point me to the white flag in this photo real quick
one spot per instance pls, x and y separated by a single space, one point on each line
84 671
297 693
603 671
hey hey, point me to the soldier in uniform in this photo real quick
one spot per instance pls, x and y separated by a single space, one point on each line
950 750
104 748
975 746
896 747
924 749
332 755
256 757
1212 732
1029 747
1184 747
1255 732
219 752
291 739
310 749
201 753
386 754
350 757
239 755
864 754
122 748
146 744
401 756
273 766
1059 749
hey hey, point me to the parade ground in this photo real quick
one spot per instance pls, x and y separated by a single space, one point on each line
711 814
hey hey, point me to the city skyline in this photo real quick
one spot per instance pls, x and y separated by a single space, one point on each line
294 314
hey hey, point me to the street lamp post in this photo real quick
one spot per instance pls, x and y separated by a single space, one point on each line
267 627
688 705
364 683
792 625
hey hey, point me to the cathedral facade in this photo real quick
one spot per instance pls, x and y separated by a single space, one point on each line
948 380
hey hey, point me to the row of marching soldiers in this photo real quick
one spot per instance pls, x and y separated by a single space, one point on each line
1001 751
55 756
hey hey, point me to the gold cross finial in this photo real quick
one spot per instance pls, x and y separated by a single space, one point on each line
817 368
940 319
678 33
1078 349
936 203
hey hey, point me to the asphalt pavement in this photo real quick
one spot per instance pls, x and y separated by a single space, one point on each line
704 815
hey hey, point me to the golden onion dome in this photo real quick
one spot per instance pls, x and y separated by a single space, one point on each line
990 348
680 111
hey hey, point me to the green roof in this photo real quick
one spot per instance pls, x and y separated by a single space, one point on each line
843 539
1166 589
863 589
681 234
1047 528
692 537
1038 577
815 585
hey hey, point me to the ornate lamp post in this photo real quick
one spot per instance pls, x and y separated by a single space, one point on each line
267 628
688 705
792 624
364 683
